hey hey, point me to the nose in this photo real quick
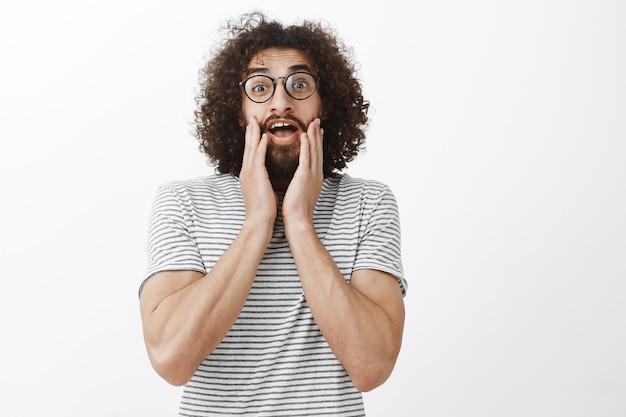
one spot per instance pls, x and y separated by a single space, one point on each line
281 101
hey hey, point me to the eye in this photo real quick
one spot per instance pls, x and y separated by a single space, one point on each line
300 83
259 85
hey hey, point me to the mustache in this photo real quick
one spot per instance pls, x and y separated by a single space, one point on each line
266 122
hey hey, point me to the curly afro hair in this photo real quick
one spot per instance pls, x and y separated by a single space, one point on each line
219 107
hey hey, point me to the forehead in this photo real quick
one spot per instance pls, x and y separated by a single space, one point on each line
278 60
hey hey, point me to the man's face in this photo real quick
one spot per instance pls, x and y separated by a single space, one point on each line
282 117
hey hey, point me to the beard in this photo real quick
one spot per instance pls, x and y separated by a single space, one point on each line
282 161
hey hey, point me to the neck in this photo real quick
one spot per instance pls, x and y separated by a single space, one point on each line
280 184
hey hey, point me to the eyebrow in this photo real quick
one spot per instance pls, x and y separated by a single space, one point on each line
265 71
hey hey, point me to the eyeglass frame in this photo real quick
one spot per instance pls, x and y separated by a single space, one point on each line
316 78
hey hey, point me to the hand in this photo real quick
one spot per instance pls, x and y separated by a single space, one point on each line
259 198
306 185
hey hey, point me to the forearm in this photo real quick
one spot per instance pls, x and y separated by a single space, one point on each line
185 327
363 336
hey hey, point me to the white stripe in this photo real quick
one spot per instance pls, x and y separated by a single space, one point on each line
274 360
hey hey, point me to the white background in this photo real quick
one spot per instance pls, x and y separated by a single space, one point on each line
500 125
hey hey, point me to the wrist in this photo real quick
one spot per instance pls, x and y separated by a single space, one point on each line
258 226
299 227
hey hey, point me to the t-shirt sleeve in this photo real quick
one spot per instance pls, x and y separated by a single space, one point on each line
170 245
380 243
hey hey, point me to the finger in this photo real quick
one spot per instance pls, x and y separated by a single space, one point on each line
316 148
253 132
261 150
320 150
319 143
305 152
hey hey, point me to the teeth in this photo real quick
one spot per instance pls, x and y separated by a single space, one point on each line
279 125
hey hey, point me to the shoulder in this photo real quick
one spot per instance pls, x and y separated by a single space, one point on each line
359 188
218 181
201 187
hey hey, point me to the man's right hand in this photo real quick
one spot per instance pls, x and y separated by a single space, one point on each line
260 200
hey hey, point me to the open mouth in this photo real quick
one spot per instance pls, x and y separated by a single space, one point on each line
282 130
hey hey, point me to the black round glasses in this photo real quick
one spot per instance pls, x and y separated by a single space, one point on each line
299 85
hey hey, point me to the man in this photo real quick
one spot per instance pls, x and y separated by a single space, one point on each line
275 287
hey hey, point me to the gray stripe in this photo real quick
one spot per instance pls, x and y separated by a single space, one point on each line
274 360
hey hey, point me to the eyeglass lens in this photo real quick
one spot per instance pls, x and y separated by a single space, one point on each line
299 85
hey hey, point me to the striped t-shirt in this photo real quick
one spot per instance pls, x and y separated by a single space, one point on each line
274 361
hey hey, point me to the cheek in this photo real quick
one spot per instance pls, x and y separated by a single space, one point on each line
249 110
319 109
246 111
243 119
